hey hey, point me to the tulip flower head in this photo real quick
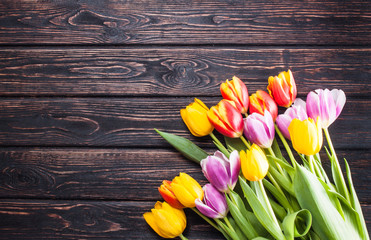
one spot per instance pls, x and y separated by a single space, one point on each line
226 119
195 117
282 88
187 190
261 101
254 163
166 221
325 104
222 172
306 136
297 110
236 91
168 195
259 129
214 204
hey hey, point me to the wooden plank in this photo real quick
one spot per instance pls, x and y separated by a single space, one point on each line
190 22
129 122
118 174
184 71
23 219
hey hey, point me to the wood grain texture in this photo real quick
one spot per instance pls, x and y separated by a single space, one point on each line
185 71
118 174
129 122
24 219
185 22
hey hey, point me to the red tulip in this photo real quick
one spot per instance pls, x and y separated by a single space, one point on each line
236 91
261 101
282 88
226 119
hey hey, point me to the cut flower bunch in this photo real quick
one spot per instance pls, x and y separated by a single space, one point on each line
254 191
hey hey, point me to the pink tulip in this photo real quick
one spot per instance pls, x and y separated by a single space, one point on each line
221 171
259 129
325 104
297 110
214 204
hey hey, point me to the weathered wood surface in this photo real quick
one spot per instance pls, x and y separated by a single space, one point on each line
129 122
35 219
118 174
185 22
185 71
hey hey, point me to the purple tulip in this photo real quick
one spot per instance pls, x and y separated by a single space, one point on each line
325 104
214 204
297 110
221 171
259 129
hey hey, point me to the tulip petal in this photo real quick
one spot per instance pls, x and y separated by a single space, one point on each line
283 122
206 210
340 99
150 219
216 172
235 166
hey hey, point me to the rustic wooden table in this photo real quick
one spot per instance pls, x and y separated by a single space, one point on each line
83 84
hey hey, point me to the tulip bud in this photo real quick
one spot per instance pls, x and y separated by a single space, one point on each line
254 163
226 119
187 190
195 117
282 88
259 129
325 104
168 195
236 91
221 171
166 221
297 110
306 136
214 204
261 101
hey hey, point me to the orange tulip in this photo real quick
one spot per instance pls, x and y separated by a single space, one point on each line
168 195
261 101
236 91
282 88
226 119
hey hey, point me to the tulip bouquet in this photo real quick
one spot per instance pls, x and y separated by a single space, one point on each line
255 190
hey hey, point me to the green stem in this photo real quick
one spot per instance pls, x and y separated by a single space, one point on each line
205 218
286 145
278 166
266 200
219 145
310 161
337 165
317 169
182 237
247 144
227 230
228 224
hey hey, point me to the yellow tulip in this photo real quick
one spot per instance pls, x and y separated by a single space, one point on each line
195 117
254 163
187 190
166 221
306 136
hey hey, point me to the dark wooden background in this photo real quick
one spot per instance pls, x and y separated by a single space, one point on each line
83 84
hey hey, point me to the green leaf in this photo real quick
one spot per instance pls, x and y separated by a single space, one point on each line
245 226
311 195
283 164
235 144
238 230
281 198
282 181
184 146
297 224
260 212
355 204
277 150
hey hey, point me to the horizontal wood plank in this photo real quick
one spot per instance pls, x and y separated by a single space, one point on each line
190 22
87 220
119 174
90 219
183 71
129 122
